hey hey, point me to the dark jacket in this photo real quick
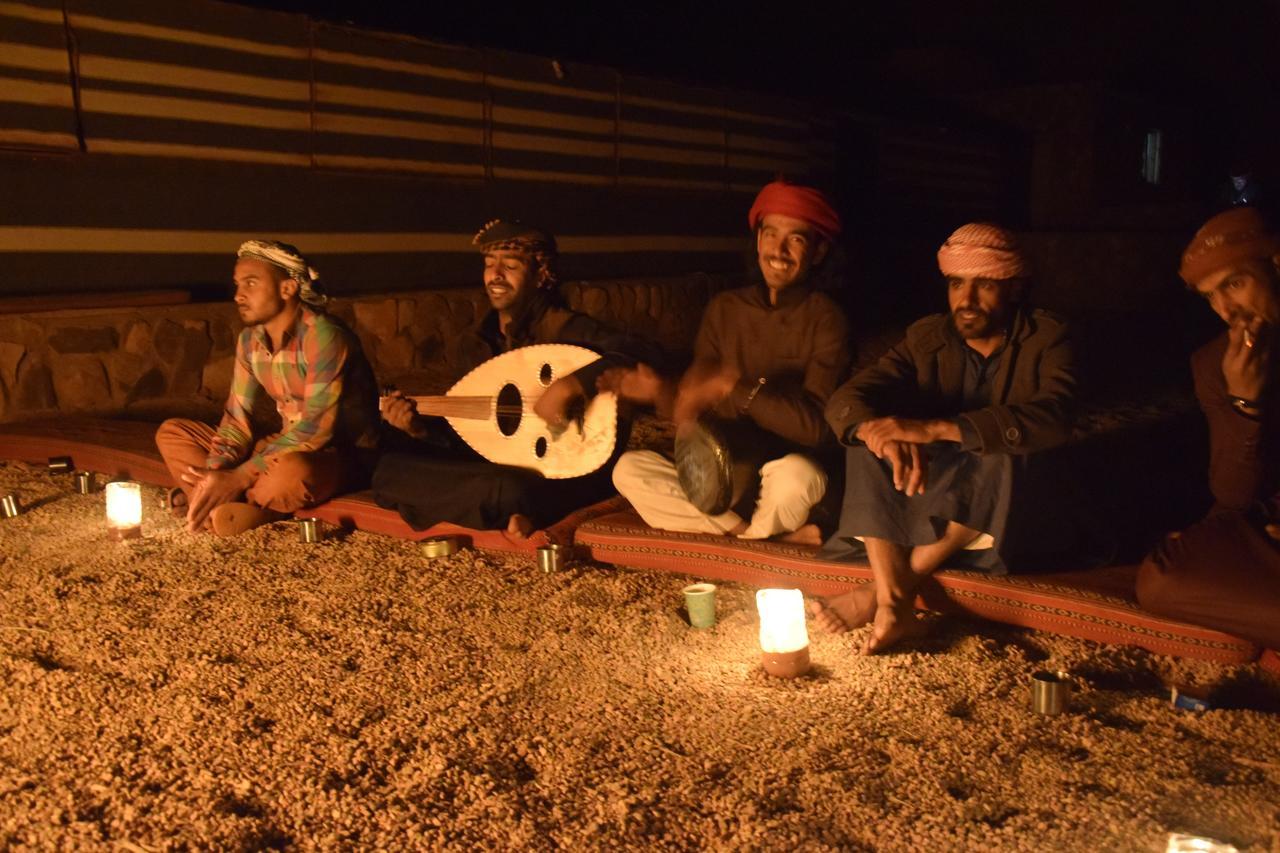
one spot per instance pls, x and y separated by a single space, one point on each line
1032 395
1244 454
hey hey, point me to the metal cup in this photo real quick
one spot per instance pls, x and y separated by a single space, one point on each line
440 546
9 506
1050 692
550 558
309 530
60 464
84 482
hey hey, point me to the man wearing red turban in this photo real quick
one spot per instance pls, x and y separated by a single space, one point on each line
1224 572
766 359
940 432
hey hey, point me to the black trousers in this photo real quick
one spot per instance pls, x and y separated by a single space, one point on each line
1031 506
427 488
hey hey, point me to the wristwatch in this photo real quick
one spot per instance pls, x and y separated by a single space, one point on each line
751 396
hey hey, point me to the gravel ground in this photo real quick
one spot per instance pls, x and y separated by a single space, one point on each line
179 692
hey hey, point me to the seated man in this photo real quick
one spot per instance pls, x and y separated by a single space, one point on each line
1224 572
312 366
767 355
436 477
940 430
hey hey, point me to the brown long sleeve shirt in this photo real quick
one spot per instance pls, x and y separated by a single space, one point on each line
800 347
1244 454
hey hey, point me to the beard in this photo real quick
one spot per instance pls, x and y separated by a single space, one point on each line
977 324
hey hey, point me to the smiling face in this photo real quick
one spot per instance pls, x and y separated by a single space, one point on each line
1243 290
508 278
262 291
787 249
981 307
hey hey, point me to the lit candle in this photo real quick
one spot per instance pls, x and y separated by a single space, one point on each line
124 510
784 638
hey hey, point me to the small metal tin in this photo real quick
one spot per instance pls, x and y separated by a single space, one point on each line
550 558
440 546
9 506
60 464
84 482
1050 692
309 530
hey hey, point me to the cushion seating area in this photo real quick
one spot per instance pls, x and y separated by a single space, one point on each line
1096 605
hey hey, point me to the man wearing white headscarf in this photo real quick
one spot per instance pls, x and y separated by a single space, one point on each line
314 370
938 432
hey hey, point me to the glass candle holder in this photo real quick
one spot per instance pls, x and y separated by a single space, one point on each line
124 510
784 637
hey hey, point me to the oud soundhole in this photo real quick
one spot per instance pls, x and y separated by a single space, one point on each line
540 447
544 375
510 409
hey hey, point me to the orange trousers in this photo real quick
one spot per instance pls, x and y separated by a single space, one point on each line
292 480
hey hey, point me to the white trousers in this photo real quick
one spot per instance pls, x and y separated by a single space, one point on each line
789 487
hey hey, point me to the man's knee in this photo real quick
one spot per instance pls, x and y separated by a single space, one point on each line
794 477
1154 587
629 470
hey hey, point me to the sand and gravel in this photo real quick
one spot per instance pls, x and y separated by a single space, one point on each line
178 692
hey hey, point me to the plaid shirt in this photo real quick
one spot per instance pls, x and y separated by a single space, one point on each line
306 378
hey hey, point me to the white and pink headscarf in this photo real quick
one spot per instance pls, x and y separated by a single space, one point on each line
983 250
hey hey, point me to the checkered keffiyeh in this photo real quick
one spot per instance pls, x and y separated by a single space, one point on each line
289 259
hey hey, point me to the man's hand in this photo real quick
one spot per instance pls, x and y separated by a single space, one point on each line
402 414
703 387
1246 365
876 433
212 488
553 405
641 385
908 466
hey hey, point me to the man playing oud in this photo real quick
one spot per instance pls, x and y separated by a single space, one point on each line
435 477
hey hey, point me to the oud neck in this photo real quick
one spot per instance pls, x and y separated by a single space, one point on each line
471 408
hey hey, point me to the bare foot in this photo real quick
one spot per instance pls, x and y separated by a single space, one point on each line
236 517
892 625
519 528
846 611
808 534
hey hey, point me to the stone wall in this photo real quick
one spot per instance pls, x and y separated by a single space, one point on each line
157 361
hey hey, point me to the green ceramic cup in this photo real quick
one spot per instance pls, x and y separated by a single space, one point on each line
700 601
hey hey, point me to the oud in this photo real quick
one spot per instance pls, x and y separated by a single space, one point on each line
491 409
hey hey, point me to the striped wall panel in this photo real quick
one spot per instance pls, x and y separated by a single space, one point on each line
188 81
393 104
37 102
195 125
552 121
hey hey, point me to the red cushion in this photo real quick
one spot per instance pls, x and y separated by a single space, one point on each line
1095 605
116 448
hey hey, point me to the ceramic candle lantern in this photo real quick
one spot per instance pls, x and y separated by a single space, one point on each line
124 510
784 638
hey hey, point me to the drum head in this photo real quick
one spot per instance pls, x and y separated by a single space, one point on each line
705 467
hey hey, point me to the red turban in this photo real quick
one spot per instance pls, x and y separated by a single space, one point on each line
1239 234
798 202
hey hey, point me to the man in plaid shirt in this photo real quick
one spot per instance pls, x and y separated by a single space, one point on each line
314 370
